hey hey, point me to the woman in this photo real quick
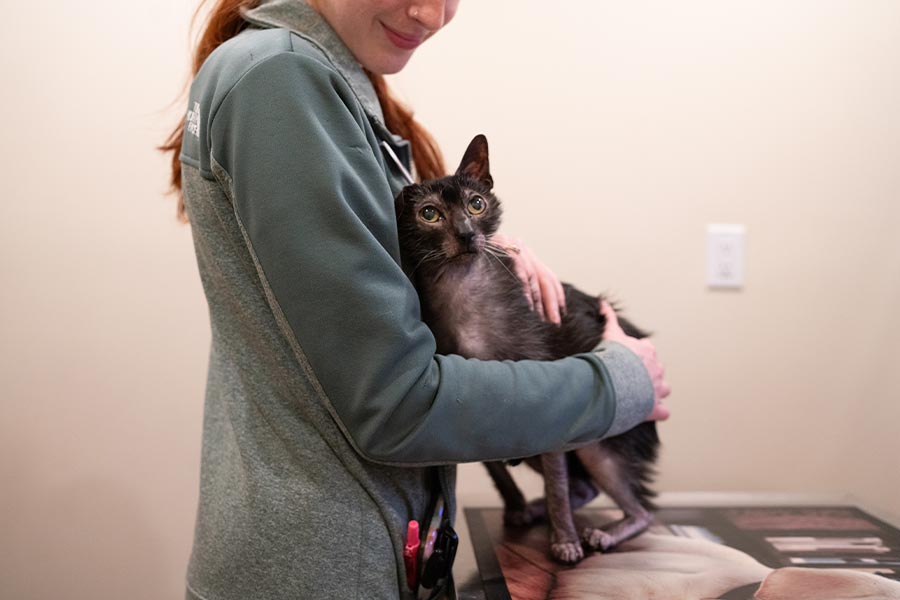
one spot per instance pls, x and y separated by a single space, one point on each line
329 420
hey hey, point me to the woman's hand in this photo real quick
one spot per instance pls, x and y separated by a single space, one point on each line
543 289
647 353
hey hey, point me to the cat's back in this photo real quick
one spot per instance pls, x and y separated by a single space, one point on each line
519 331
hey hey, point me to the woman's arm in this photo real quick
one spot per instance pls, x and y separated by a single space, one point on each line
545 294
309 189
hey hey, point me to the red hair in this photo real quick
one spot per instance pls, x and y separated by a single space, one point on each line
225 22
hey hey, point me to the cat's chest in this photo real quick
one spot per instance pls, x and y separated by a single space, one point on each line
461 313
471 342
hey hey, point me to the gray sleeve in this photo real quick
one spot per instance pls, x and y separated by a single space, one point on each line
631 383
317 212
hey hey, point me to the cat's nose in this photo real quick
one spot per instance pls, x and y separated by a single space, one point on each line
467 239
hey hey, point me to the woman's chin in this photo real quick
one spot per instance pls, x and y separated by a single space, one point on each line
387 63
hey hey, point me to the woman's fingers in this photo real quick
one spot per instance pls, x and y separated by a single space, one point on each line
562 297
521 269
666 390
533 283
646 351
544 286
551 292
551 303
660 412
520 266
543 289
612 331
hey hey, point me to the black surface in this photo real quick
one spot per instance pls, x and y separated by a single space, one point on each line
493 583
486 529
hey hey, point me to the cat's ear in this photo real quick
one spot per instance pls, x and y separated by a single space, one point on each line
475 161
402 198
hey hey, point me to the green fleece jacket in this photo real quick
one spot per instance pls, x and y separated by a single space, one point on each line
329 420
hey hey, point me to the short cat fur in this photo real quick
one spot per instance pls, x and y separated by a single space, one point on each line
476 308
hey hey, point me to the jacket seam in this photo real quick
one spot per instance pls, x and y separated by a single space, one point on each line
194 592
300 356
211 201
360 552
333 66
225 181
214 110
283 323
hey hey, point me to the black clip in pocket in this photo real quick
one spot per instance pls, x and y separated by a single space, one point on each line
440 564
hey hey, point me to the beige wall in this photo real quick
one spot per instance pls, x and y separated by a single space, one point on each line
618 132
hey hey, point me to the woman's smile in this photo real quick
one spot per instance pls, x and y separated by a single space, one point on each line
401 40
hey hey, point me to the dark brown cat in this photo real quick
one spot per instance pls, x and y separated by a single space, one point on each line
476 308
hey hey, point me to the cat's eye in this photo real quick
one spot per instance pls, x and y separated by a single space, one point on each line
476 205
430 214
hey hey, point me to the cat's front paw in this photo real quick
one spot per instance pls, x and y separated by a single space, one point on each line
597 539
567 552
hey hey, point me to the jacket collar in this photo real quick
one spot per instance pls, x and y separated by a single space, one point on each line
300 18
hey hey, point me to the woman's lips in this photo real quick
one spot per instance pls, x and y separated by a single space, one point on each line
404 42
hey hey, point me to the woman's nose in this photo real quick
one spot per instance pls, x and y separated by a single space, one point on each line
431 14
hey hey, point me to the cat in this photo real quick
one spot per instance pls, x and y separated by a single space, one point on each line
476 308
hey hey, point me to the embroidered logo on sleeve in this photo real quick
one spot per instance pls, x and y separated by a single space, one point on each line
193 120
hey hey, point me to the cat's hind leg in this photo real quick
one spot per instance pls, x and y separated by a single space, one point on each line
516 511
614 478
581 491
564 543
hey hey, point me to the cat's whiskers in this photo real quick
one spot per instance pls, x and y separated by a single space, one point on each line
497 248
430 256
490 252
